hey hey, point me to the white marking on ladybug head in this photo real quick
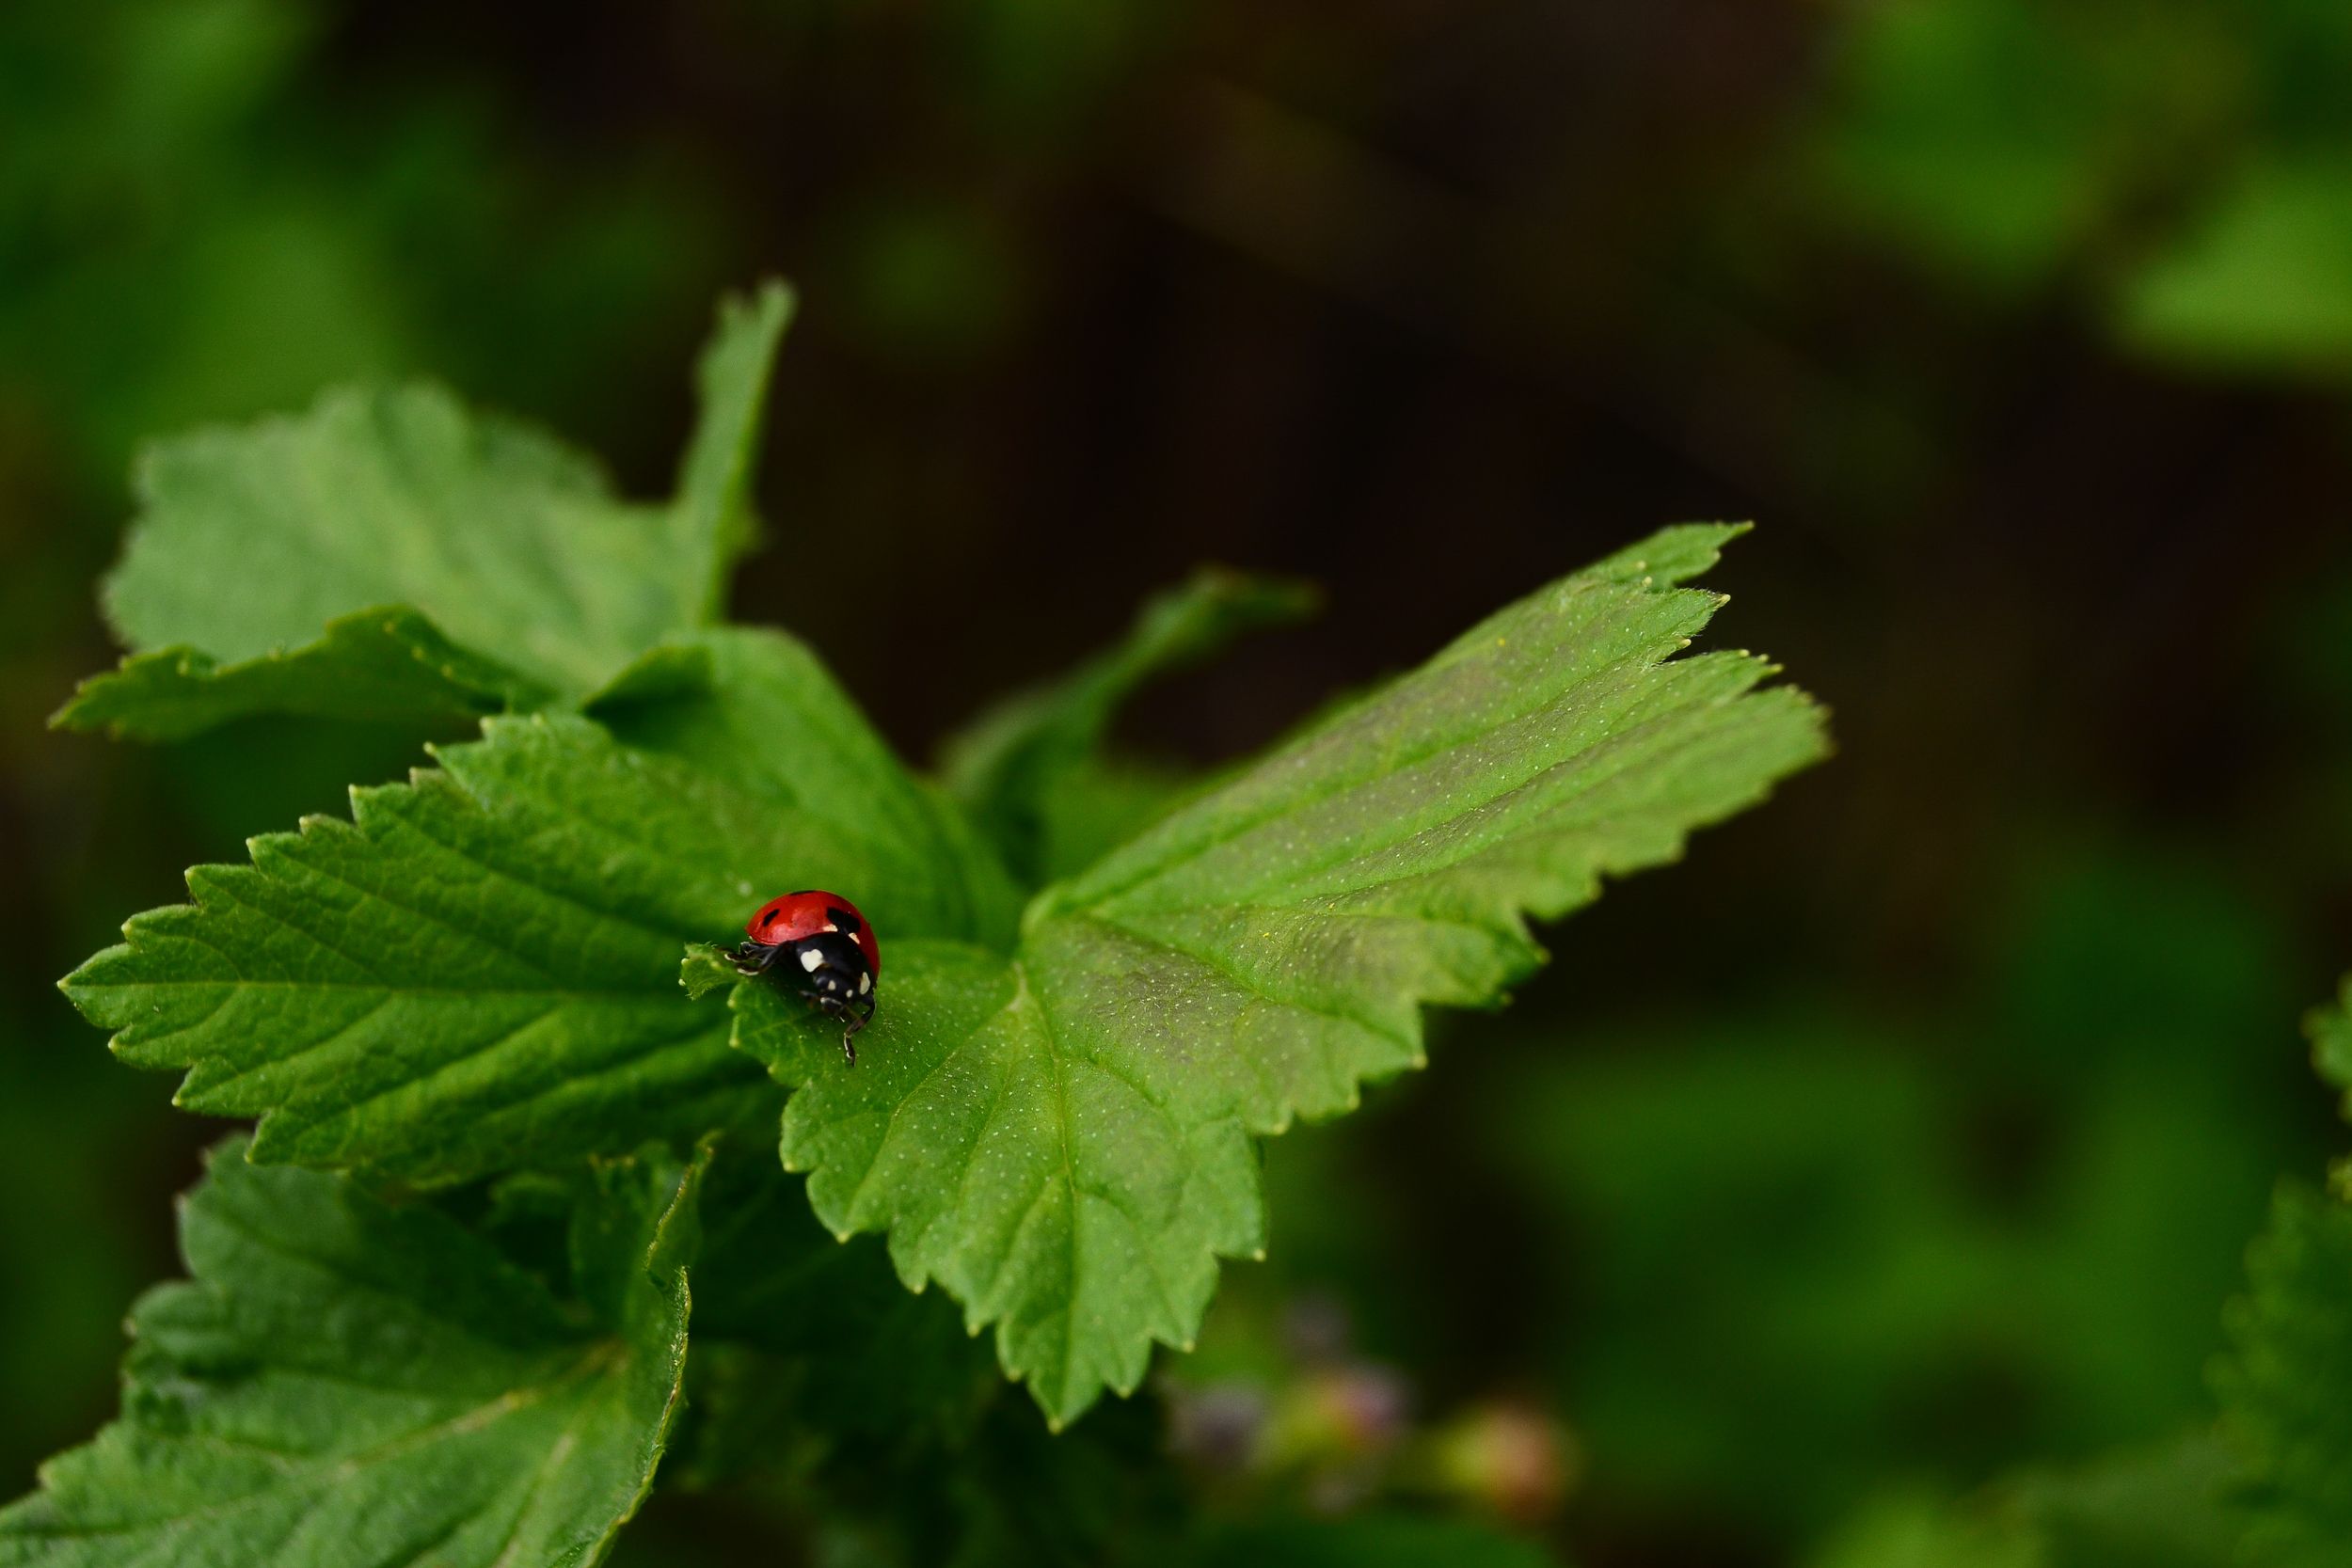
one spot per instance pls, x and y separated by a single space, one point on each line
812 960
831 926
865 984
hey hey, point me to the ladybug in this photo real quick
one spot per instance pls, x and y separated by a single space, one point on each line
826 950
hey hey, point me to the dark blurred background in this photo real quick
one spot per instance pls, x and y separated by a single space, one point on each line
1908 1134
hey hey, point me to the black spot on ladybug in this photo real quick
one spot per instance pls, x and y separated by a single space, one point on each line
844 921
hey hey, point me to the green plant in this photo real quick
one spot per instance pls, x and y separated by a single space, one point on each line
2267 1485
505 1168
2181 169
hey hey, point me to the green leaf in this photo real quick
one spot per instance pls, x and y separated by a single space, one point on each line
1998 140
2287 1384
2329 1029
1007 1493
714 520
347 1383
1098 804
512 544
385 666
2263 281
479 971
845 1349
757 715
1064 1139
391 554
2159 1507
1025 763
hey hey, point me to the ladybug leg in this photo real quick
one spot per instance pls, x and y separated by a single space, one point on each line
753 958
852 1024
838 1010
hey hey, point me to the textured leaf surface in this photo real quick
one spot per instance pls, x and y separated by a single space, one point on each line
480 970
1064 1139
346 1384
2286 1384
1027 764
515 577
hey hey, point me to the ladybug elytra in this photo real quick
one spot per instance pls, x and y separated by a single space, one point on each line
823 949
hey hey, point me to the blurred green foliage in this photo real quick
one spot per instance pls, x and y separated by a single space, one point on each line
1899 1242
2186 167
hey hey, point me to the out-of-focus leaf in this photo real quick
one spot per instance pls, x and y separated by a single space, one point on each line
2286 1385
1096 806
847 1347
714 521
2161 1507
1994 139
2158 1507
2262 279
1777 1261
1030 771
2330 1031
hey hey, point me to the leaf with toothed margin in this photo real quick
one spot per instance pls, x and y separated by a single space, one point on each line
480 970
423 563
1063 1138
347 1383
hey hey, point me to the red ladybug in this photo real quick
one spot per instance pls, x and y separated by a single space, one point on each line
826 951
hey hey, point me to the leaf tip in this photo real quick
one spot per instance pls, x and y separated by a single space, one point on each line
702 971
71 715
